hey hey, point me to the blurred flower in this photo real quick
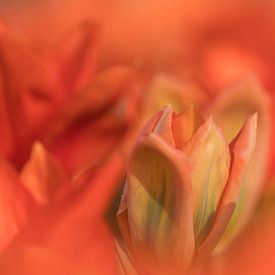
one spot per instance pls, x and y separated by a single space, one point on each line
182 185
50 93
56 223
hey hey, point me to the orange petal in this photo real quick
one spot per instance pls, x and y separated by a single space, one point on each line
231 109
30 85
15 204
37 260
185 124
159 202
73 227
106 88
241 151
166 90
96 120
209 160
161 125
124 262
42 175
76 54
6 133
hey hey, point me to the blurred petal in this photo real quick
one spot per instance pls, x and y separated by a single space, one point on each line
28 89
73 228
209 160
30 259
15 204
124 262
167 90
253 250
230 110
160 201
241 151
76 54
95 121
42 175
185 124
6 134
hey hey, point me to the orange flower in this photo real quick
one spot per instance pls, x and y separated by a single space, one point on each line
58 225
182 185
50 93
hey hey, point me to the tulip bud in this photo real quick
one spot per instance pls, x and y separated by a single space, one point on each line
182 184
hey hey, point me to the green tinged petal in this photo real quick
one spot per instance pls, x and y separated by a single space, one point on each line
209 160
159 200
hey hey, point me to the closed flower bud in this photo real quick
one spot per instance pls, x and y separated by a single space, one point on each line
182 185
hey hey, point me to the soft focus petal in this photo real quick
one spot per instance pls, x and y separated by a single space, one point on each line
6 134
209 162
241 151
42 175
75 55
166 90
231 109
160 202
252 252
29 96
185 124
72 230
30 259
15 204
96 120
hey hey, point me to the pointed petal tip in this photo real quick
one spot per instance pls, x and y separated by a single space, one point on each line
253 119
38 147
168 108
210 124
249 129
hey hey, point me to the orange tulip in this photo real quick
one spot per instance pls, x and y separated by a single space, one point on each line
230 107
182 185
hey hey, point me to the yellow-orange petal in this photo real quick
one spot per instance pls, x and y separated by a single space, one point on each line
161 124
241 151
231 109
159 201
42 175
209 159
185 124
167 90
